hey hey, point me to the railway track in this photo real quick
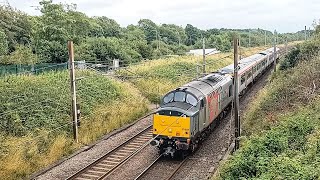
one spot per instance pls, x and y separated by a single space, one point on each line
105 165
159 169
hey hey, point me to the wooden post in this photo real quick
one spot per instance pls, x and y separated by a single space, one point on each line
265 38
305 33
73 91
236 93
204 55
249 38
286 45
275 51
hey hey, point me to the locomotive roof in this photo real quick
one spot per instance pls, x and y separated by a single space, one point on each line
205 85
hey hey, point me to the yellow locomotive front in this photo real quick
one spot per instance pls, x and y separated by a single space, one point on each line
173 122
171 126
172 133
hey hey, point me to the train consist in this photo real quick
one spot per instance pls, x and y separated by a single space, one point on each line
188 113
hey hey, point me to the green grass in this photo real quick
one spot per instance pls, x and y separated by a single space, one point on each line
35 136
158 77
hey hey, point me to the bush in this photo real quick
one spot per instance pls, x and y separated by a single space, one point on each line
281 152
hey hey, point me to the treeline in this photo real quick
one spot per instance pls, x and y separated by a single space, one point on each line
26 39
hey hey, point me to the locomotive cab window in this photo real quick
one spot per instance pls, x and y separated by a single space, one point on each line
168 98
179 96
191 100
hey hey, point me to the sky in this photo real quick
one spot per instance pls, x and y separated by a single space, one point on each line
280 15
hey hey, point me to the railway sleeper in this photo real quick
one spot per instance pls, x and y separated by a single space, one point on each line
81 178
101 168
90 175
96 172
116 156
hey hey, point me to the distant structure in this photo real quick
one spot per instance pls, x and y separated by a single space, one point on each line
199 52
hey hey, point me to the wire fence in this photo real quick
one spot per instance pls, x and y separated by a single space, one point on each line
31 69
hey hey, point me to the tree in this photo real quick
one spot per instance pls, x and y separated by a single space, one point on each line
106 27
15 25
22 55
193 34
3 43
150 29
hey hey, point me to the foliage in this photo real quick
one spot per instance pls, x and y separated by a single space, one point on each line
16 25
302 52
35 117
22 55
288 151
3 43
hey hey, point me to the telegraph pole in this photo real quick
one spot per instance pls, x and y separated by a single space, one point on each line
286 45
275 52
309 33
249 38
73 91
265 38
305 33
236 93
204 55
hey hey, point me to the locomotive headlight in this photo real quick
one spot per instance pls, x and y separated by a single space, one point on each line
170 130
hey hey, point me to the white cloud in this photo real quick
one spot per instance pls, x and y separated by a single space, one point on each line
283 15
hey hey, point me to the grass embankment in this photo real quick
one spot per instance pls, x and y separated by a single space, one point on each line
35 123
282 127
157 77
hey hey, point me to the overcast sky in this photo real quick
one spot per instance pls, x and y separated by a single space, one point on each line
283 15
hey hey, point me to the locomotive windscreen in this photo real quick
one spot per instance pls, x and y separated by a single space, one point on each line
180 96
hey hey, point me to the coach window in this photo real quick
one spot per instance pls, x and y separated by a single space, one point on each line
191 100
168 98
243 79
179 96
230 90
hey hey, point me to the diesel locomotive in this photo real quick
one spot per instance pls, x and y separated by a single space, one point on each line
189 113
